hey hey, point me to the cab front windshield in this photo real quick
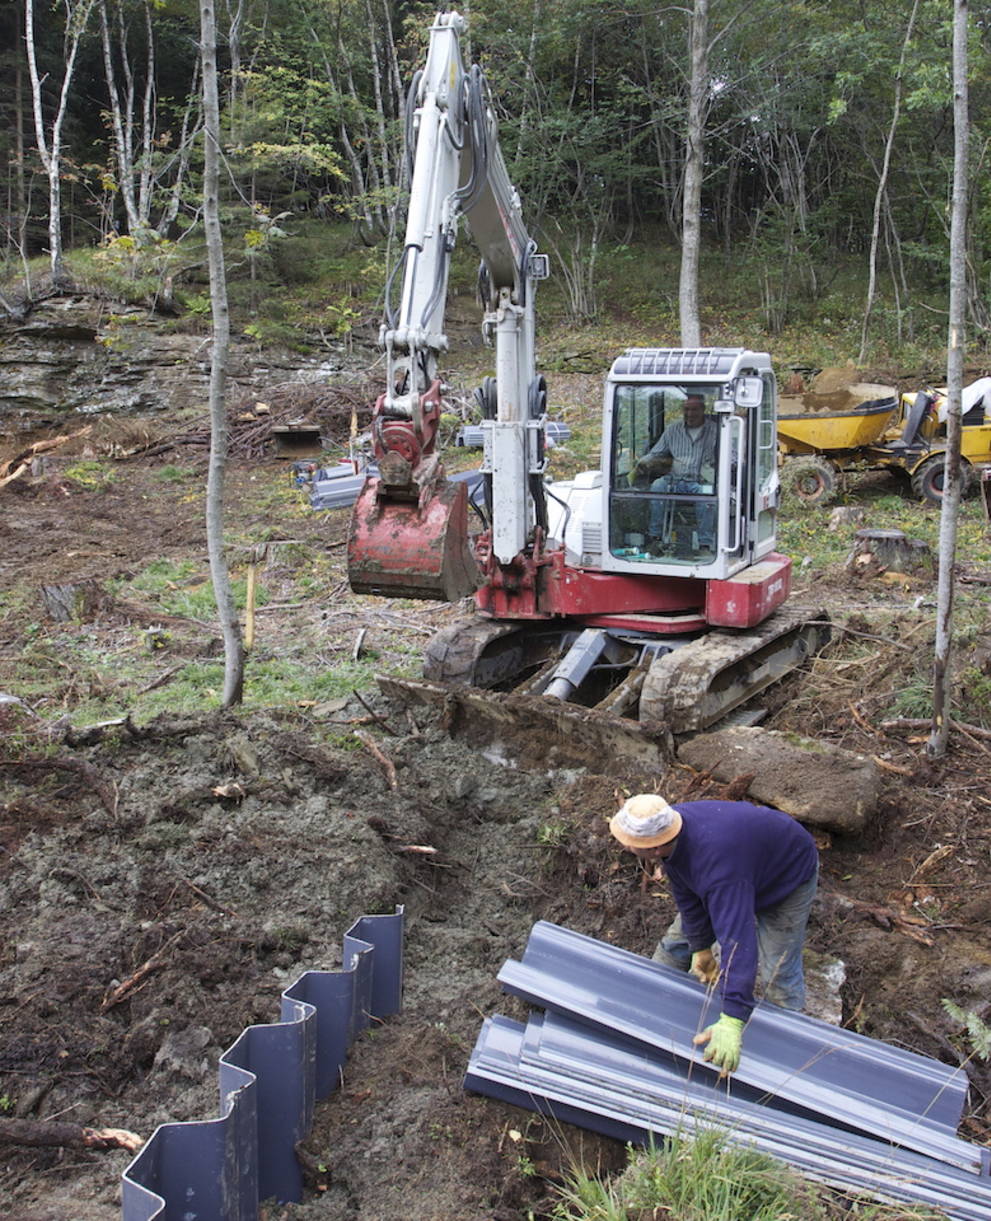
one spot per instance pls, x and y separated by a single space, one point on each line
663 480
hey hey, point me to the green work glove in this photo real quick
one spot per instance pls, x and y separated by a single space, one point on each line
724 1039
704 967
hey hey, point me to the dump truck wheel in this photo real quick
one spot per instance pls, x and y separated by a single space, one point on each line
928 479
809 481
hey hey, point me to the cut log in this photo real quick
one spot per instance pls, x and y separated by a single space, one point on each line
877 551
815 782
42 1133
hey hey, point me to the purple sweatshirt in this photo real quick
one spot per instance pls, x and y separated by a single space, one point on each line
731 860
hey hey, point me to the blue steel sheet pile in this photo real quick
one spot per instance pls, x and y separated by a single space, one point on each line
219 1169
613 1052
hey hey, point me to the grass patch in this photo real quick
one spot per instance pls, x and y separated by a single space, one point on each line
174 474
91 475
705 1179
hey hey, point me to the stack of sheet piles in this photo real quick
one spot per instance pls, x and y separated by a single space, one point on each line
611 1049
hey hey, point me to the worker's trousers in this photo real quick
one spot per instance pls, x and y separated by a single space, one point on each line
780 937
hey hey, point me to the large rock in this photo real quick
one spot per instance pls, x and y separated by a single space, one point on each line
815 782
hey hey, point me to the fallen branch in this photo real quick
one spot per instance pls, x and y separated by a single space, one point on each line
211 903
858 717
905 722
377 717
886 917
127 986
372 747
40 1132
162 679
892 767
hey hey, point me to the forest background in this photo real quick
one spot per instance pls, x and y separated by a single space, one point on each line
828 152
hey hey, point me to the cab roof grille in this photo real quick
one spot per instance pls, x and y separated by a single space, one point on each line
688 362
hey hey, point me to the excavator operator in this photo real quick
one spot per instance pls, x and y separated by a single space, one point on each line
683 460
743 878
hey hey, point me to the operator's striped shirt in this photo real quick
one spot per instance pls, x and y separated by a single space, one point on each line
688 454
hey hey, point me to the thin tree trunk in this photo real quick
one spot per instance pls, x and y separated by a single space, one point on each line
691 215
125 166
23 204
385 151
229 626
50 147
146 179
181 160
882 184
936 746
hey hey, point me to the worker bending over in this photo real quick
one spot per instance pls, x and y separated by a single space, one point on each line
743 878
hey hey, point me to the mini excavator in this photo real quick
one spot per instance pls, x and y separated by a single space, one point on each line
643 591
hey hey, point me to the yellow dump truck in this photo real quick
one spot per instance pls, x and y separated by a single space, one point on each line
883 431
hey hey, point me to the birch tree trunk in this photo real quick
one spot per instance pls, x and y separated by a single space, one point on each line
146 177
125 165
691 218
50 145
229 626
190 130
936 746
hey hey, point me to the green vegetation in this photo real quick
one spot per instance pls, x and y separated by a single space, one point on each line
554 834
91 474
977 1031
703 1178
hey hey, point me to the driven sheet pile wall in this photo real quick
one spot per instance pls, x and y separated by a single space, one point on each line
219 1169
612 1051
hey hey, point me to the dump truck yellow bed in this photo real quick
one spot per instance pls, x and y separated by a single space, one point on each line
822 432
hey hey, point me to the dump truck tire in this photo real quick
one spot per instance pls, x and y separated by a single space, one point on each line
808 481
928 479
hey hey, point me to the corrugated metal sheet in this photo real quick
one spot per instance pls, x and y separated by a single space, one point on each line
632 1102
219 1169
821 1069
614 1053
472 436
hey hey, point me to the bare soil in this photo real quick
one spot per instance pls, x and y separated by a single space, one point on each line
239 847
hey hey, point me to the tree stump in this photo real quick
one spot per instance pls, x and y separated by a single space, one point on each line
877 551
845 515
73 603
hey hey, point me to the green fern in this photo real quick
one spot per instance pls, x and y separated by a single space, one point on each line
978 1031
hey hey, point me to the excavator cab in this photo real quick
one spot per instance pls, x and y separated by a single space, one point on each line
690 479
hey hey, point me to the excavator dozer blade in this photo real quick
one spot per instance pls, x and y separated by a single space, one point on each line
535 733
405 549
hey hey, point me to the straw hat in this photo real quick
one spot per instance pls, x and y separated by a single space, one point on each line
645 821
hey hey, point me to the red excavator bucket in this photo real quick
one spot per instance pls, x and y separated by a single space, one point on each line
402 549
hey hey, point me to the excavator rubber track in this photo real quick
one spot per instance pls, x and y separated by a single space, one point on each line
695 686
485 653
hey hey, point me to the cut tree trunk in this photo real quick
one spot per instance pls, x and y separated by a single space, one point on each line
878 551
73 603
